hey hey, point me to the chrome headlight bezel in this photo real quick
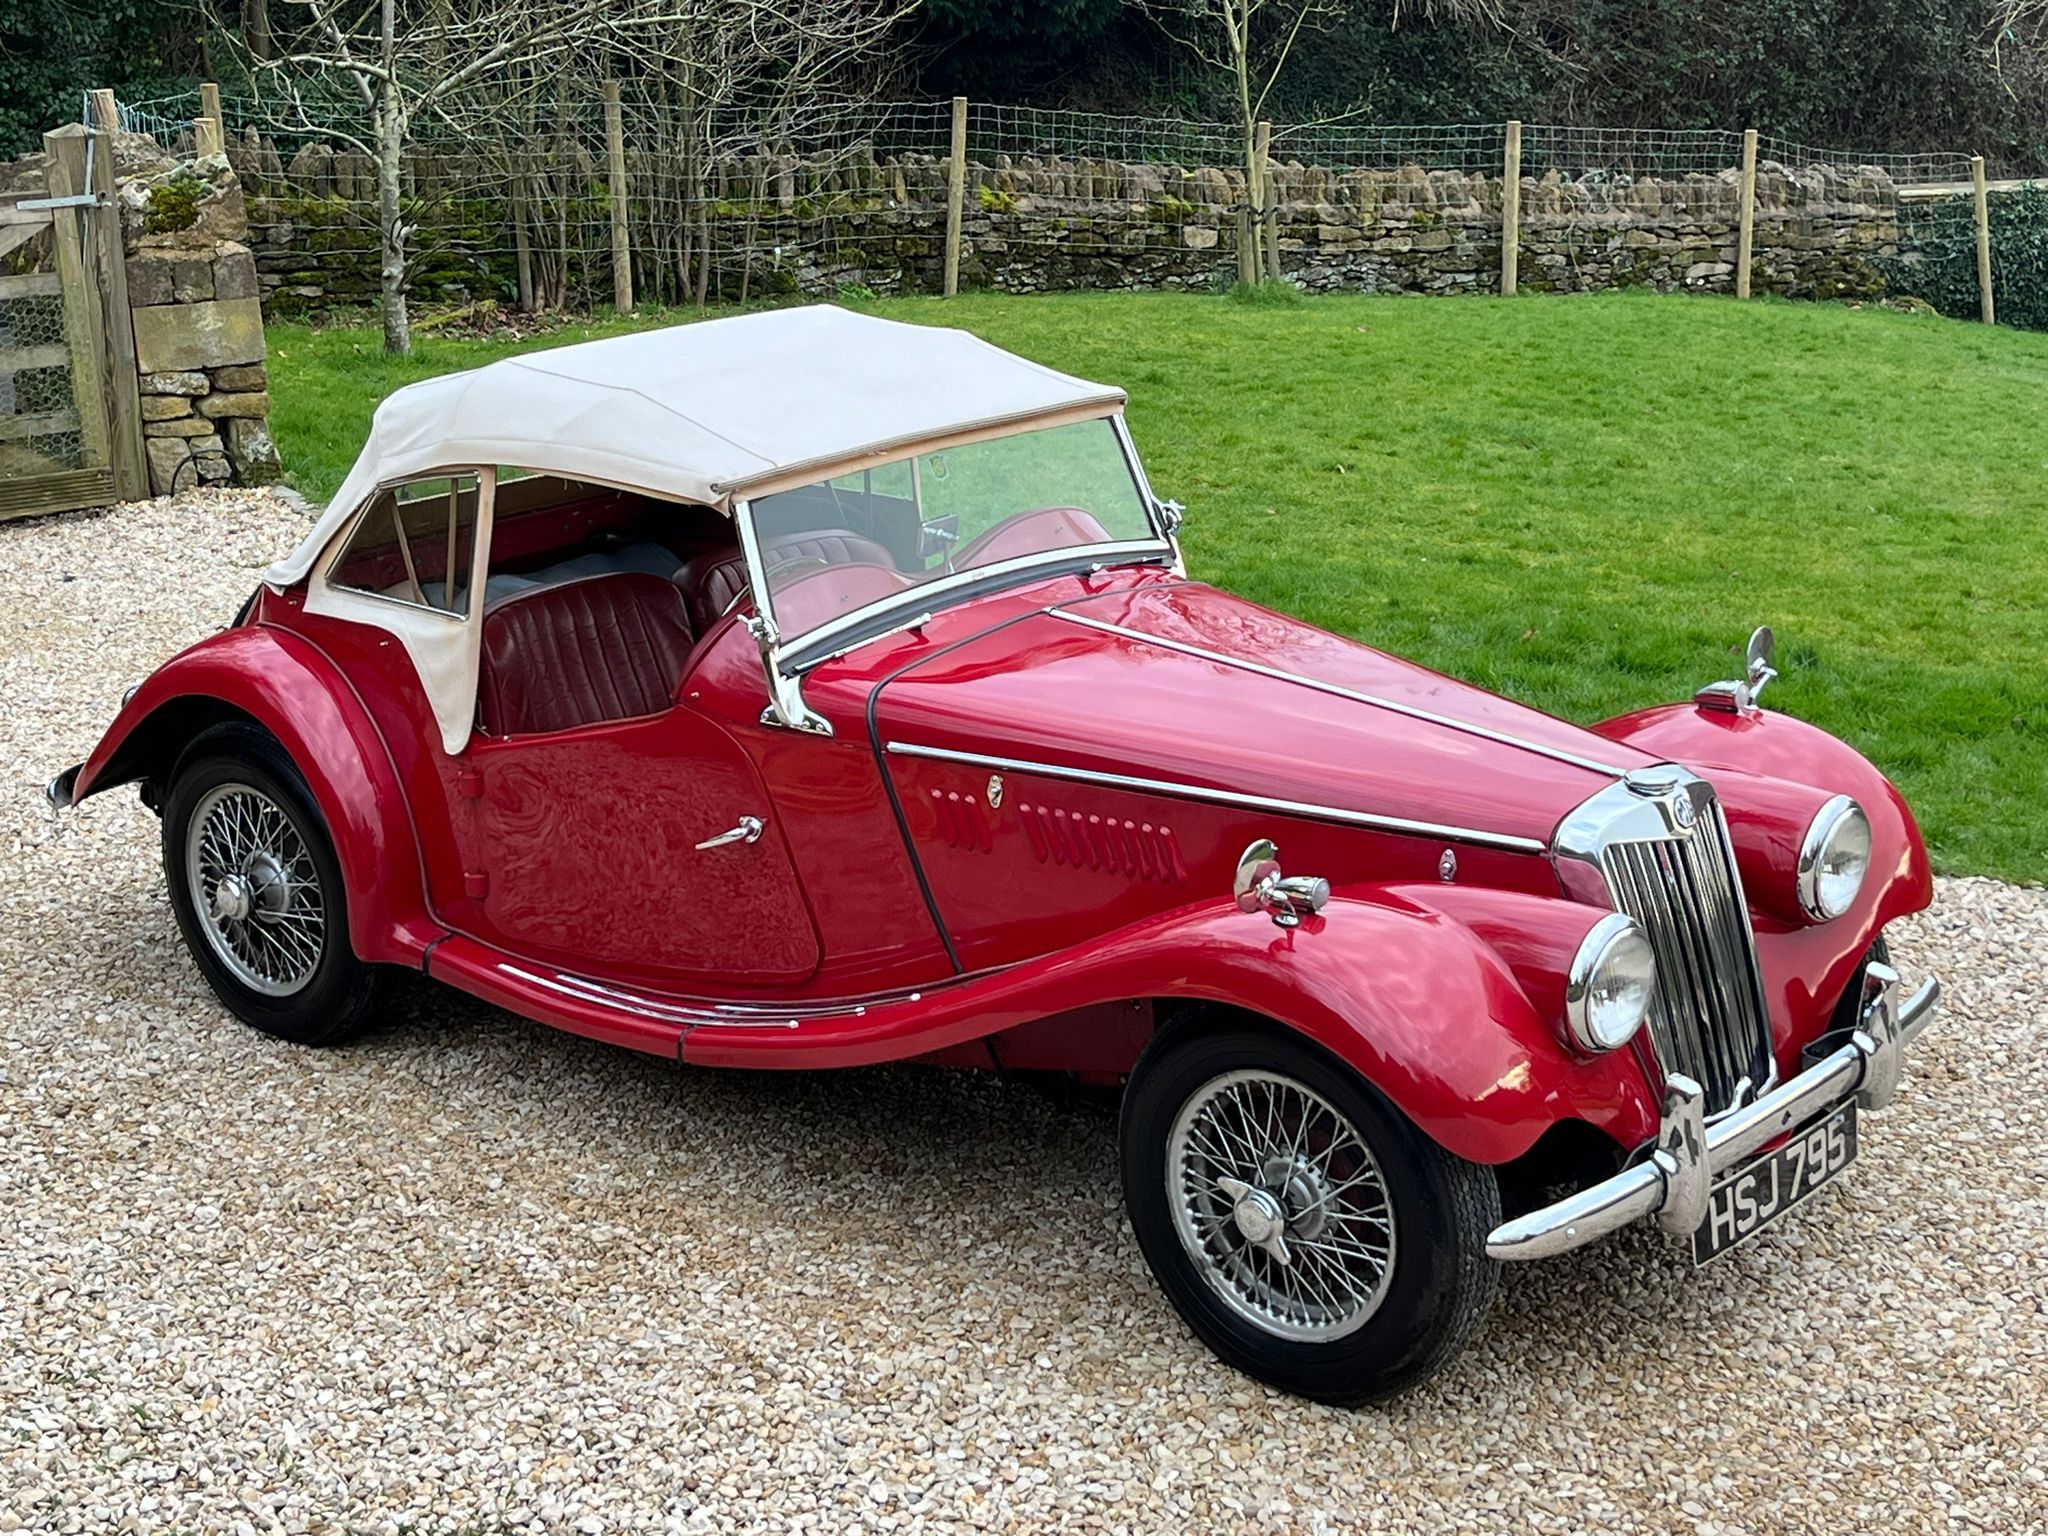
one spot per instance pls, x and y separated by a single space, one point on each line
1820 894
1616 940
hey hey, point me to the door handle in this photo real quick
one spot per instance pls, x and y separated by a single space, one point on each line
748 831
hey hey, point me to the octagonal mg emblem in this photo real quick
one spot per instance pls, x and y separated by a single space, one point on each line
1682 813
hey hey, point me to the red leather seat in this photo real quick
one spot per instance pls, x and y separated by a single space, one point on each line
711 581
604 648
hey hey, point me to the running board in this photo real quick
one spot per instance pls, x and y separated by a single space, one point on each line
834 1032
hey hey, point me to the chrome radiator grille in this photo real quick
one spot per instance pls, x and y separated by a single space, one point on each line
1708 1020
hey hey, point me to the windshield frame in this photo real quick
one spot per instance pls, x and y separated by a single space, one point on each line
903 610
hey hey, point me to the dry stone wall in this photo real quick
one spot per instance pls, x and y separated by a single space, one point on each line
196 300
1036 223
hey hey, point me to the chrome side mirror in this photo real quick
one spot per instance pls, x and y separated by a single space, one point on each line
1758 669
1260 887
1739 697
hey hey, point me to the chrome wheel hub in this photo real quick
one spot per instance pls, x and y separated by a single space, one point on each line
233 899
1258 1215
255 890
1281 1206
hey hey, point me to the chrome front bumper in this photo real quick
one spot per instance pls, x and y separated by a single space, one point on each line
1673 1182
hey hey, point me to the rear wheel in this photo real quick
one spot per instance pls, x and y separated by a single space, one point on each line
1300 1225
258 892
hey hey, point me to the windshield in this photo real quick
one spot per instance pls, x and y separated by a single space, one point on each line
845 545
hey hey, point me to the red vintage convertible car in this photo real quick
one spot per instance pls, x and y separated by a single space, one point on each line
808 690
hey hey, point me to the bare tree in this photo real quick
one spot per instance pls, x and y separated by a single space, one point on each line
1250 41
370 74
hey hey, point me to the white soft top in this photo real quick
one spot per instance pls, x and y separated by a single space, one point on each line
704 412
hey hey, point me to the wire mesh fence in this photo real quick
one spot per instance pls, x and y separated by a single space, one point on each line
511 198
40 429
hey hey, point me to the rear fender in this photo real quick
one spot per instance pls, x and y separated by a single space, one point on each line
284 684
1421 1006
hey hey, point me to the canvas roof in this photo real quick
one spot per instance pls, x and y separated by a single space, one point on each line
703 412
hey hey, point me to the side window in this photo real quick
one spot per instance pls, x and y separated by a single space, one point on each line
415 544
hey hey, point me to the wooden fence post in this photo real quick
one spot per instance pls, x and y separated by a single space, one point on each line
84 322
104 114
209 106
1511 209
107 369
205 138
124 390
956 194
1745 229
1265 232
622 235
1985 306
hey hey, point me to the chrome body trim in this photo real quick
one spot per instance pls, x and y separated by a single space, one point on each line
1166 515
1335 690
786 706
918 599
708 1012
908 622
1231 797
1689 1156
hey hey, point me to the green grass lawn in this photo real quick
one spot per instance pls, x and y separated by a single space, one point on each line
1585 503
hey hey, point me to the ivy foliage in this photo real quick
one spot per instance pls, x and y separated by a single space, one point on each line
53 51
1942 267
1861 74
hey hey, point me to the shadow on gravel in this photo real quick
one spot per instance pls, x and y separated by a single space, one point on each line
879 1153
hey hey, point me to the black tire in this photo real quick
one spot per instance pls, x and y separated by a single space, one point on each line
322 1000
1431 1299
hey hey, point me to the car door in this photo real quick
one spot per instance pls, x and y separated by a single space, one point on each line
642 849
570 844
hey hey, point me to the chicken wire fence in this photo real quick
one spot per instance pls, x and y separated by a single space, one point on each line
512 199
40 428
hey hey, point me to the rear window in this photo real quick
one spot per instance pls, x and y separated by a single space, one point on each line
416 544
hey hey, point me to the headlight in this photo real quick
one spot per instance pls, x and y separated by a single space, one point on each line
1607 992
1834 858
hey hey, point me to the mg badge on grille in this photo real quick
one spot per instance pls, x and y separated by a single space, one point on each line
1682 812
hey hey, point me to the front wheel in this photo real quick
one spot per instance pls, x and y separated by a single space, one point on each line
1301 1226
258 891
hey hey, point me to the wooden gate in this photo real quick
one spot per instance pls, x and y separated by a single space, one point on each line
70 428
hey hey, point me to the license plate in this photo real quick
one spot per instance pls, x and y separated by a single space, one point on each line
1755 1195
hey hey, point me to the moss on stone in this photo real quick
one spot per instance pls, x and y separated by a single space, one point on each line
174 205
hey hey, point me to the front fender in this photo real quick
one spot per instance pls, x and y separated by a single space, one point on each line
1759 761
1413 998
285 684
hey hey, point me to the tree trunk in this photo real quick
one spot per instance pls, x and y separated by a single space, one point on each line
256 27
1238 18
390 225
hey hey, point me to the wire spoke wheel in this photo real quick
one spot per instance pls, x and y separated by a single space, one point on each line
255 889
1280 1205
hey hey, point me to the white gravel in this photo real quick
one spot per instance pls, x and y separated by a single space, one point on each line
473 1275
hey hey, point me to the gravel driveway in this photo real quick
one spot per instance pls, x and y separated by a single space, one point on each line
474 1275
